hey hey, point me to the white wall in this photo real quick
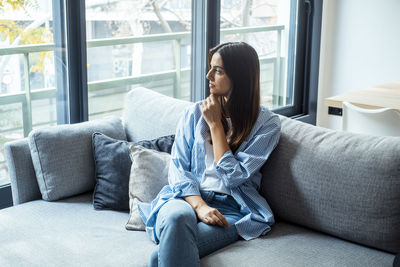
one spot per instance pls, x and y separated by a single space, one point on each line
360 48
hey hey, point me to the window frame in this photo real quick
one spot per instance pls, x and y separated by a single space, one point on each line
70 61
70 52
205 35
306 63
5 196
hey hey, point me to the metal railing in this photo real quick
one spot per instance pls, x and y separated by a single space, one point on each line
26 97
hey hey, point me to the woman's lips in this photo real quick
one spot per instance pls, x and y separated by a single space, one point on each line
211 85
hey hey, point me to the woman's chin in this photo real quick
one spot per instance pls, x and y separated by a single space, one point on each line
214 92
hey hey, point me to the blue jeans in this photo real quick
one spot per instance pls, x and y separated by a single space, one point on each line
184 239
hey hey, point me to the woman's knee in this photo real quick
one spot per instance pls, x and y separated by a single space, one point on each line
181 217
177 213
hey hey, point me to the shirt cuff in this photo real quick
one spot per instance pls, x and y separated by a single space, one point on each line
224 162
187 189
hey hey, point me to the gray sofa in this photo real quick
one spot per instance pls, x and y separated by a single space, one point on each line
335 196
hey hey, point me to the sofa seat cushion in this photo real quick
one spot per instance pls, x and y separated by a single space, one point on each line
290 245
69 233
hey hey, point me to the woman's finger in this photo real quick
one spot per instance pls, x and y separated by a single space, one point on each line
213 99
218 221
209 101
222 219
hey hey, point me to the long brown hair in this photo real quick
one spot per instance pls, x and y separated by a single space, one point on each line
242 66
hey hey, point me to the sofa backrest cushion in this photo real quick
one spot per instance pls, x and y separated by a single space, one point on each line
62 156
148 114
343 184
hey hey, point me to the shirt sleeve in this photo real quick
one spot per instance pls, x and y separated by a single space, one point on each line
181 179
236 169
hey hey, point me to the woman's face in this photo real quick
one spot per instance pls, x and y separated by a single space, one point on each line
219 82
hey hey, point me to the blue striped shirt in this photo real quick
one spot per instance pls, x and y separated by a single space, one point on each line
240 171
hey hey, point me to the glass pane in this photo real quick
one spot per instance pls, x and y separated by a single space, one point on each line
27 86
264 24
136 43
10 129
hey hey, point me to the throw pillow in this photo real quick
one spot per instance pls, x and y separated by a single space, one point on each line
62 156
149 173
112 167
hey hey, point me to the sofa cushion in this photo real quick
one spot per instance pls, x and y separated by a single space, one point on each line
149 173
62 156
70 232
113 165
287 245
148 115
340 183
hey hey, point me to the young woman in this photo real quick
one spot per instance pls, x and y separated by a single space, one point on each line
220 145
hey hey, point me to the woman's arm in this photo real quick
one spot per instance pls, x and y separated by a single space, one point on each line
182 181
180 177
211 110
236 168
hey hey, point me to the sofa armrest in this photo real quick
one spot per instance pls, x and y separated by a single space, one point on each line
24 185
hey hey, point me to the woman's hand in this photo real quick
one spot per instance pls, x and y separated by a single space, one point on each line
211 215
211 110
205 213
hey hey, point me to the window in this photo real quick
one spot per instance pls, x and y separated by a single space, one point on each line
264 24
71 61
136 43
27 80
278 30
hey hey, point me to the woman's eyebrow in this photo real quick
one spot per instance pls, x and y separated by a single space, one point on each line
217 66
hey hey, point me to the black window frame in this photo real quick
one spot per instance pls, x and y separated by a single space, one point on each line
305 66
70 60
5 196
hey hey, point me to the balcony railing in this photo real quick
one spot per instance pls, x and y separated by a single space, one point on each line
25 98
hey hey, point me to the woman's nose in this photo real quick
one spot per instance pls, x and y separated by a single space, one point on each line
209 75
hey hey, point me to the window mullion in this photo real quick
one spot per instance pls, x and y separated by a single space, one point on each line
70 54
60 61
212 32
